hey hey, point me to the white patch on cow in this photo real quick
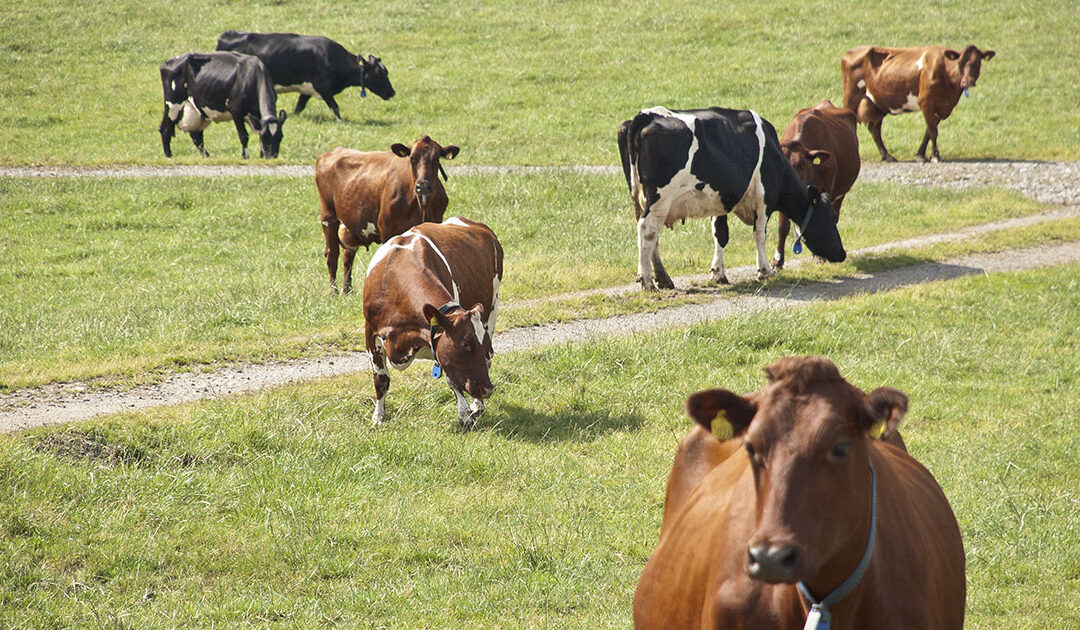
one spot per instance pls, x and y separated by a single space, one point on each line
919 64
870 95
464 414
478 327
911 104
401 241
342 232
494 307
453 284
369 230
304 88
861 84
378 416
456 221
190 118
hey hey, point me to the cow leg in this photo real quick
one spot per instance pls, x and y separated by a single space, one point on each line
167 128
782 230
330 226
466 417
648 241
197 140
350 243
380 376
663 280
929 137
760 223
331 103
875 132
720 241
301 103
241 131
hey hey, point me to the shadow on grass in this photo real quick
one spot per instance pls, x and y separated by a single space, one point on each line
564 425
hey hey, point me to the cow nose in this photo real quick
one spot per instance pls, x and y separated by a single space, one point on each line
423 187
480 390
772 563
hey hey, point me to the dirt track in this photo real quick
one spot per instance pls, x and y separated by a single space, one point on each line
1050 182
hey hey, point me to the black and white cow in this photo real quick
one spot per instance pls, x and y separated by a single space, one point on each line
201 88
311 65
707 163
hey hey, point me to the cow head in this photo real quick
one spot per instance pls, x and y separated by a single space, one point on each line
807 436
970 63
815 167
818 227
270 135
374 77
462 347
424 156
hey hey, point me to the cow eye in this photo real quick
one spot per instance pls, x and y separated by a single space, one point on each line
750 452
841 450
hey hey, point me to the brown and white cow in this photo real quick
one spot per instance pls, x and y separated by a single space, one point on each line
798 515
823 148
367 197
416 286
880 81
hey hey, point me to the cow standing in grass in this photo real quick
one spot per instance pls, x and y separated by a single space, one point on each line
878 81
368 197
433 293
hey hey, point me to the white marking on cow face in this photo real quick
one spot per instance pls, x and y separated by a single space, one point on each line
369 230
455 221
304 88
861 84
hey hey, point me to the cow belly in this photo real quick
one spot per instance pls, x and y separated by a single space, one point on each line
191 119
752 202
304 88
694 204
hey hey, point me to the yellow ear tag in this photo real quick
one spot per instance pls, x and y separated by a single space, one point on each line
721 428
434 321
877 429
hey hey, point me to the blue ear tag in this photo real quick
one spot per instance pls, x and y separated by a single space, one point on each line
363 92
965 92
436 371
797 247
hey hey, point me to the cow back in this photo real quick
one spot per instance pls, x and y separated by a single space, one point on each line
829 128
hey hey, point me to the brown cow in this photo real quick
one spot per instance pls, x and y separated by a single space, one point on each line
367 197
413 294
805 505
880 81
823 148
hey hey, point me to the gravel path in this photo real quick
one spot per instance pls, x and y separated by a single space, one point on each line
1049 182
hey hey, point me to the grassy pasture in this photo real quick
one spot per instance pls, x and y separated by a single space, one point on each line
129 278
287 509
527 81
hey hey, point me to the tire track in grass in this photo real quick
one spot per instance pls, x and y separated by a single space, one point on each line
60 404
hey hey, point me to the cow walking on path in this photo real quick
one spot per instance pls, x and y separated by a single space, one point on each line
311 65
368 197
822 146
433 293
202 88
708 163
878 81
783 509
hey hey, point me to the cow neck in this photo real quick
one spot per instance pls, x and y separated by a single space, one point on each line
820 610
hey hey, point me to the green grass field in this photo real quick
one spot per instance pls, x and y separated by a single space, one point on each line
287 509
527 82
133 278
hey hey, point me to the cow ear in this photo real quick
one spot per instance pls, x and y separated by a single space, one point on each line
400 150
724 413
281 117
884 407
363 62
478 309
434 316
450 151
952 55
819 156
988 55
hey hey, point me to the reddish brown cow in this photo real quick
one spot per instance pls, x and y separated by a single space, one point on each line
416 285
823 148
367 197
802 507
930 79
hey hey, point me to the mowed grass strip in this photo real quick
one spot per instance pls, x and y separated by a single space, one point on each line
131 278
528 81
288 509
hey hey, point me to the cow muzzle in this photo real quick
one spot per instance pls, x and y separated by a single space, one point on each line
482 391
772 563
423 192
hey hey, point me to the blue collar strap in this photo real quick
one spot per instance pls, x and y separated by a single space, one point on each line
819 616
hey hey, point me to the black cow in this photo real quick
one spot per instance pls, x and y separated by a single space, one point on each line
707 163
311 65
201 88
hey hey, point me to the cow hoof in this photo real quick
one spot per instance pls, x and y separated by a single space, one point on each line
378 418
888 158
778 263
921 158
936 159
763 274
665 283
720 279
646 285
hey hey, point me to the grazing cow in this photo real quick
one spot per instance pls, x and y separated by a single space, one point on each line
823 148
201 88
416 286
367 197
707 163
795 513
311 65
930 79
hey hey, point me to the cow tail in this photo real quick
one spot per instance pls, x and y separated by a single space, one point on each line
629 146
624 152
